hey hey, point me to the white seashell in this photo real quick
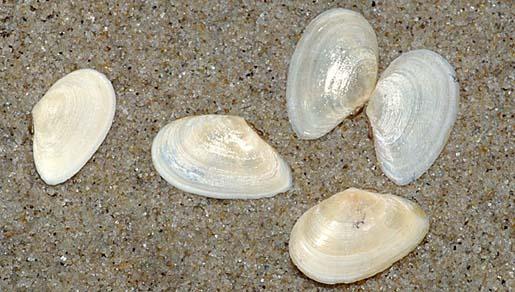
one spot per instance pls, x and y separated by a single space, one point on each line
411 112
354 235
70 122
220 157
332 72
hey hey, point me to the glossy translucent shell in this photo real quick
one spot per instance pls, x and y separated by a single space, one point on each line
354 235
332 72
412 111
219 156
70 122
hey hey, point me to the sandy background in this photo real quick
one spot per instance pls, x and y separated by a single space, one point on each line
118 225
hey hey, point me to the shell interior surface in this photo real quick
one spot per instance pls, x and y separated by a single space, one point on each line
332 72
354 235
411 112
219 156
70 122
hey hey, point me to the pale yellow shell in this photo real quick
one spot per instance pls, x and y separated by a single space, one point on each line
354 235
219 156
70 122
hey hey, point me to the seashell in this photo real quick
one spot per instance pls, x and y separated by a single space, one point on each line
220 157
411 112
70 122
354 235
332 72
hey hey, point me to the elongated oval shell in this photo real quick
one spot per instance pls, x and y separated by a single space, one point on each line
354 235
332 72
220 157
411 112
70 122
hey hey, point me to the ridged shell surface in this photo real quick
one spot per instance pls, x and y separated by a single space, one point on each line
70 122
332 72
354 235
219 156
412 111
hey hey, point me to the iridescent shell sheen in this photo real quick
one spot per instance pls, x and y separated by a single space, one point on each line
332 72
412 111
220 157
